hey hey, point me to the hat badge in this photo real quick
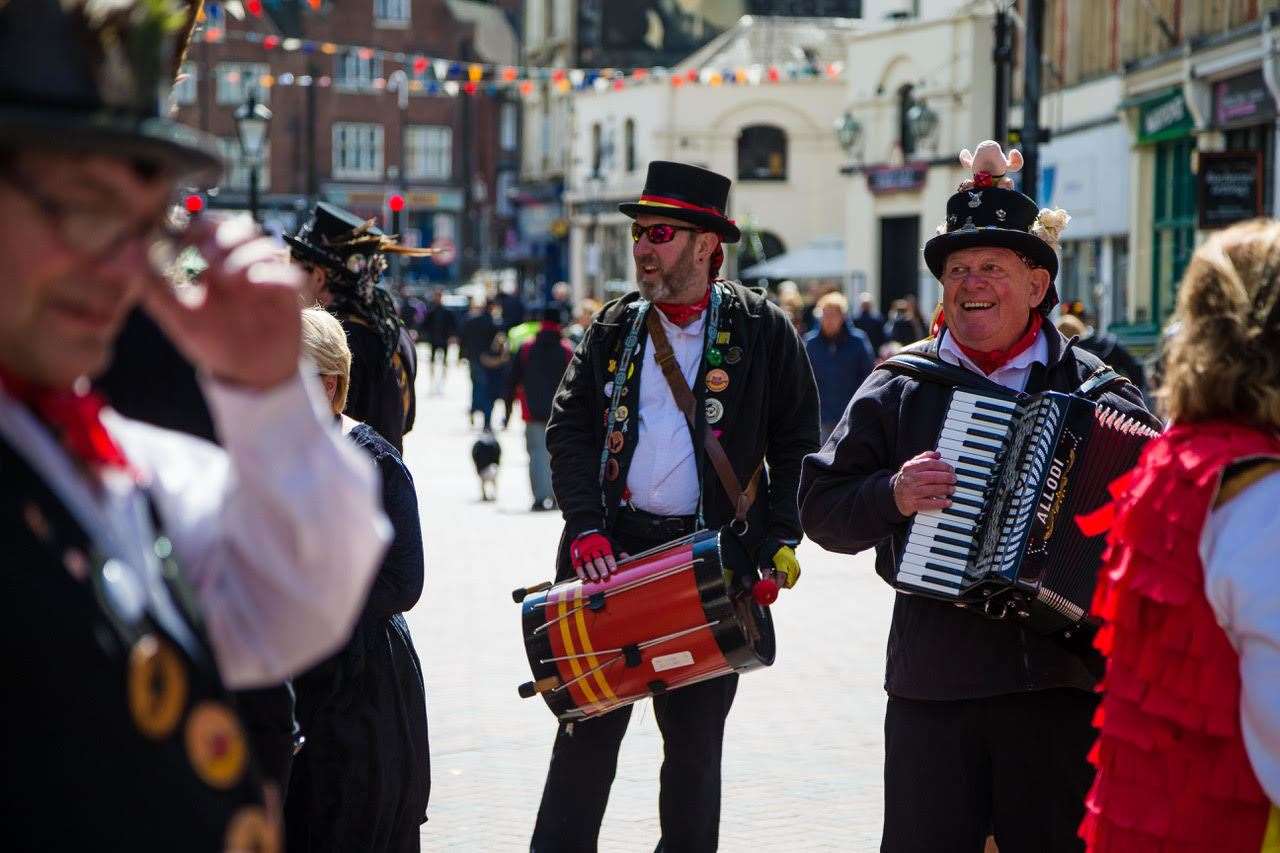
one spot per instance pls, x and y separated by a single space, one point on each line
1001 215
975 199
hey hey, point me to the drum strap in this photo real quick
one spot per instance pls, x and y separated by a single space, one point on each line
740 498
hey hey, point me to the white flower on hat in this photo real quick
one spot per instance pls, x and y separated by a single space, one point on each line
1049 224
356 263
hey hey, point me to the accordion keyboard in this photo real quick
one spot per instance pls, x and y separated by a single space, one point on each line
942 543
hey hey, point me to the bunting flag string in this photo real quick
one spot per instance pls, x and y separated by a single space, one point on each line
451 77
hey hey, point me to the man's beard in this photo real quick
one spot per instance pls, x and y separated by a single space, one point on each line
681 279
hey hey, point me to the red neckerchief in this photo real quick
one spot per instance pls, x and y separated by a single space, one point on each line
990 362
74 418
684 314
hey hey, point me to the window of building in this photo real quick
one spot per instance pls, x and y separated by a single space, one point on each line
395 12
429 152
237 174
1261 138
356 69
185 90
237 79
357 150
762 153
1119 279
629 143
509 127
1173 224
1081 271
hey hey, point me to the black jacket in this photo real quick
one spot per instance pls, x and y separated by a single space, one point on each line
535 373
381 392
936 650
1113 353
770 414
477 334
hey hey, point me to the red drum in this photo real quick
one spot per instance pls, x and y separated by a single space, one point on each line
667 618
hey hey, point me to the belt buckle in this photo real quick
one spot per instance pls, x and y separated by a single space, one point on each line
672 526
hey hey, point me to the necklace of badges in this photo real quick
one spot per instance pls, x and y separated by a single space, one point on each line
617 412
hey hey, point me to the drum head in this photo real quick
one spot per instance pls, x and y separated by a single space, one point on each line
745 629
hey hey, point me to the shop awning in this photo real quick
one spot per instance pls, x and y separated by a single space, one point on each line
823 258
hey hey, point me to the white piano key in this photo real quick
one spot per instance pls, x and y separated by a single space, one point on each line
970 397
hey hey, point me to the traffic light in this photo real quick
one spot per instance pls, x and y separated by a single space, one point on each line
396 204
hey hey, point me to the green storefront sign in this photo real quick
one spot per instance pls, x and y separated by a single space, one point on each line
1164 117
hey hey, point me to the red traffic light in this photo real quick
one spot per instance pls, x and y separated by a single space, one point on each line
396 203
194 203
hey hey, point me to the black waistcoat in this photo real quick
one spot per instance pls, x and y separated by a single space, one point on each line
116 732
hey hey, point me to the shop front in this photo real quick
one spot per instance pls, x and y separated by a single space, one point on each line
1164 197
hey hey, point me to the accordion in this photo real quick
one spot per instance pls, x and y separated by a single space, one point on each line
1025 467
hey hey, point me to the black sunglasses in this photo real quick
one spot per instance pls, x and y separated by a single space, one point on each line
658 233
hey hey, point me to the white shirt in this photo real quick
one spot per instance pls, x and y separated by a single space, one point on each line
1013 375
1239 548
280 534
663 477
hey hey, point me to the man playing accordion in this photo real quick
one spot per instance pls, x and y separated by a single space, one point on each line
988 722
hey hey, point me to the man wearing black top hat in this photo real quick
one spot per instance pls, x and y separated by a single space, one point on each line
146 571
988 723
627 477
344 258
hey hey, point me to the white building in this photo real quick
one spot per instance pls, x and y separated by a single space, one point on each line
775 141
916 92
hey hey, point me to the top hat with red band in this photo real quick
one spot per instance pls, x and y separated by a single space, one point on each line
688 193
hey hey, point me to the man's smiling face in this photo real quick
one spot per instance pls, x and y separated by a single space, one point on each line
988 295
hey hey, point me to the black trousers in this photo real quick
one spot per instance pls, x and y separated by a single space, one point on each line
1013 766
584 760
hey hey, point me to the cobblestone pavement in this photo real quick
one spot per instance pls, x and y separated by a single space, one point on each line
803 749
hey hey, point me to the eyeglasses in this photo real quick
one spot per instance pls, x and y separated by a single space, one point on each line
97 233
658 233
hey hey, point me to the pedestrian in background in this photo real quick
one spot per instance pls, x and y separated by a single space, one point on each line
363 776
1105 346
904 325
870 321
439 327
478 332
536 370
494 363
587 311
792 304
841 358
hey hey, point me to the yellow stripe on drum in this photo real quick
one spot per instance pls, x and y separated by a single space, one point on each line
592 663
1271 841
567 636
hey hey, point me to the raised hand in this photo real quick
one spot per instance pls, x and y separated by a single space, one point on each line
245 328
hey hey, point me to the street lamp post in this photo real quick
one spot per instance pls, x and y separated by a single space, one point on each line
253 120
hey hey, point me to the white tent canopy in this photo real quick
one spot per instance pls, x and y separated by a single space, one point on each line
823 258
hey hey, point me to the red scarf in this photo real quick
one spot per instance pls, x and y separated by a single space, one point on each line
74 419
684 314
990 362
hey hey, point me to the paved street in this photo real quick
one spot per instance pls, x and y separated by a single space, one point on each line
802 760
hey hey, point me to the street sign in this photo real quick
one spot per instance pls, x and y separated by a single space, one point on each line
1230 187
446 252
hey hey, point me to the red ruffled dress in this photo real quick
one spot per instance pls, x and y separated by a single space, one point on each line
1173 774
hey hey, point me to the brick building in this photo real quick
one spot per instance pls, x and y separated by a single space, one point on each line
351 137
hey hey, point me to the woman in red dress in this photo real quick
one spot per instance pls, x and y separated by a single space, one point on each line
1188 753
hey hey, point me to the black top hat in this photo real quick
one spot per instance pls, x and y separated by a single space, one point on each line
332 235
998 217
90 80
688 193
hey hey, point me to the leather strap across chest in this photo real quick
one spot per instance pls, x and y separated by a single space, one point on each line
740 498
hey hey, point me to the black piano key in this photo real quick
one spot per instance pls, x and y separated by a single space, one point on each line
950 540
945 569
978 445
954 528
991 407
982 433
979 416
960 513
973 460
947 552
959 499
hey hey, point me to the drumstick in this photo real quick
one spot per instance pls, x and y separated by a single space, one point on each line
542 685
518 595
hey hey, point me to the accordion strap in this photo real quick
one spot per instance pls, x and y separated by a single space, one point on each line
930 369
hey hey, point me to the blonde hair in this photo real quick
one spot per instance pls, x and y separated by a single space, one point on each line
1224 361
835 298
1069 325
325 343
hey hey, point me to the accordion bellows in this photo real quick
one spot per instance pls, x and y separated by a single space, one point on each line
1173 774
